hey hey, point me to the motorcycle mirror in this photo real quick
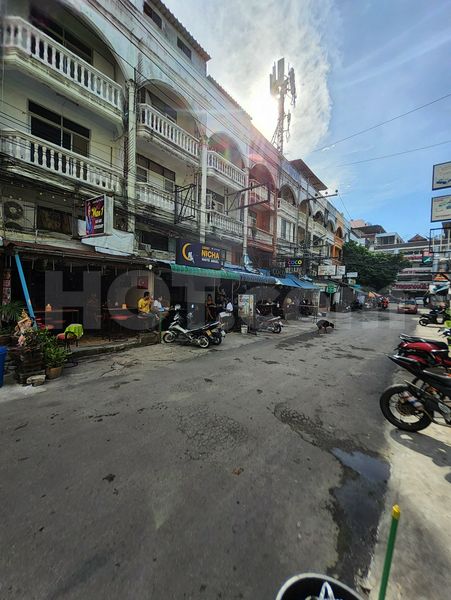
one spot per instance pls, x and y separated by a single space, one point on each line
177 307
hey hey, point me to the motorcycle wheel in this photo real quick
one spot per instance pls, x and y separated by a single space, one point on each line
277 328
216 340
203 341
393 408
168 337
424 322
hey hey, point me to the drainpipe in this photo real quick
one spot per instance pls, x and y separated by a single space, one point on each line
245 214
203 189
131 156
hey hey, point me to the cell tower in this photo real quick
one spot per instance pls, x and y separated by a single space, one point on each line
281 85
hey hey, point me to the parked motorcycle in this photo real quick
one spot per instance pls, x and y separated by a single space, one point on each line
268 323
435 317
413 406
429 353
200 336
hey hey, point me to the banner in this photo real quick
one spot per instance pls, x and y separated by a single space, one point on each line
195 254
326 270
441 208
99 216
441 176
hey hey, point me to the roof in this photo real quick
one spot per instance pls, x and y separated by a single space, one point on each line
169 16
371 229
200 272
304 170
227 95
418 238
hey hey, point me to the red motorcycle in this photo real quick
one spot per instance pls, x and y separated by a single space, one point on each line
428 353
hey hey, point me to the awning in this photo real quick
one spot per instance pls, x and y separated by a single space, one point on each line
294 282
198 272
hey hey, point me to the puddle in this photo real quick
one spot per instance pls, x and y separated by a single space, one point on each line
358 503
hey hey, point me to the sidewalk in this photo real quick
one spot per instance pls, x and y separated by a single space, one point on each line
420 483
138 361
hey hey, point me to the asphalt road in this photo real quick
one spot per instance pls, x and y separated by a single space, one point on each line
215 477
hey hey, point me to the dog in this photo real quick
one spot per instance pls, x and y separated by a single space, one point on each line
324 325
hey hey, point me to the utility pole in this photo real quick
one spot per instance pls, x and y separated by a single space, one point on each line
280 85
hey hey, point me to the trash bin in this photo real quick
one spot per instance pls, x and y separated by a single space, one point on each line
304 586
3 353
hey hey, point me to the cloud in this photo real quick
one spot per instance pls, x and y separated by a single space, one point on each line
245 38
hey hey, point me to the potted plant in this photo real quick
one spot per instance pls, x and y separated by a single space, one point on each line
54 358
10 313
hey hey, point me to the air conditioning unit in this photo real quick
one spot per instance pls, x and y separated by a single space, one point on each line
18 215
146 247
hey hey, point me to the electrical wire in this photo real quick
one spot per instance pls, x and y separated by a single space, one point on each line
409 112
359 162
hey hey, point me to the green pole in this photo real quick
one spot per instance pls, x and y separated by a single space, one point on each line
395 514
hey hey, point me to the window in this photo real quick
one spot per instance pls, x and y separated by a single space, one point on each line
146 170
147 97
283 229
184 48
215 202
252 217
49 219
58 130
149 11
60 34
157 241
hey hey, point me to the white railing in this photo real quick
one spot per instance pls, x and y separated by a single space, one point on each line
259 235
287 208
18 33
166 129
225 223
223 166
155 197
55 159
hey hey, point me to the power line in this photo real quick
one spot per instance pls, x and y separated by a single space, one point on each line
358 162
344 206
382 123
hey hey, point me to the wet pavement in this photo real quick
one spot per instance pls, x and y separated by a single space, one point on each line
216 476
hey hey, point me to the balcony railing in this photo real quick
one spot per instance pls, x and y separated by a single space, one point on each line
225 223
21 35
224 167
155 197
286 207
259 235
55 159
168 130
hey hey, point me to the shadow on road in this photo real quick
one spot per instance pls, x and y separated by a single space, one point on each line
438 451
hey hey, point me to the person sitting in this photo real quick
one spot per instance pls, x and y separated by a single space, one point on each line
158 304
144 310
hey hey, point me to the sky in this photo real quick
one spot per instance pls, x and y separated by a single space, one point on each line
357 63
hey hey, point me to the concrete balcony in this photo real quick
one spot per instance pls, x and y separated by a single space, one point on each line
228 173
155 197
52 159
260 194
319 230
259 235
287 209
33 52
225 223
167 133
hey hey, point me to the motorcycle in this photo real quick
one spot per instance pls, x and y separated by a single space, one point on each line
201 336
430 353
435 317
413 407
268 323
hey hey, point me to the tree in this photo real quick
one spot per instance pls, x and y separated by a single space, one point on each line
376 269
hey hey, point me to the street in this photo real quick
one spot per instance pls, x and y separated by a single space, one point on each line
218 476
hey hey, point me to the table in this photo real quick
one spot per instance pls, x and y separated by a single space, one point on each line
58 318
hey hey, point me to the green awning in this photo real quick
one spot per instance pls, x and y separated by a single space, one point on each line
198 272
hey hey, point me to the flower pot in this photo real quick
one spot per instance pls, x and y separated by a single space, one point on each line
53 372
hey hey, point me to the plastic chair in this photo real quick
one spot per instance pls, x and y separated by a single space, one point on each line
71 335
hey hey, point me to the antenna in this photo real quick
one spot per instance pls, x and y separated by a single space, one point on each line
279 86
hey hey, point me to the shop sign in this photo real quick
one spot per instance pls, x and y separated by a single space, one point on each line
351 281
99 216
326 270
294 262
245 305
410 286
441 176
278 271
352 275
331 288
441 208
341 270
6 290
428 257
195 254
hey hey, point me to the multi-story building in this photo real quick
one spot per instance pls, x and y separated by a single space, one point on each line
115 99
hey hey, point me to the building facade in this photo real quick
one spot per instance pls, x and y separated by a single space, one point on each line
114 99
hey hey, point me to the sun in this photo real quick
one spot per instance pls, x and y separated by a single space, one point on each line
263 110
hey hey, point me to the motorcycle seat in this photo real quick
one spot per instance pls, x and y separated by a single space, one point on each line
411 338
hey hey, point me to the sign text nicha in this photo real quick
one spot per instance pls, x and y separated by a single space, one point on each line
195 254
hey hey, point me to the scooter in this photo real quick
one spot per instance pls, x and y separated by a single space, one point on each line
268 323
413 406
200 336
430 353
435 317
